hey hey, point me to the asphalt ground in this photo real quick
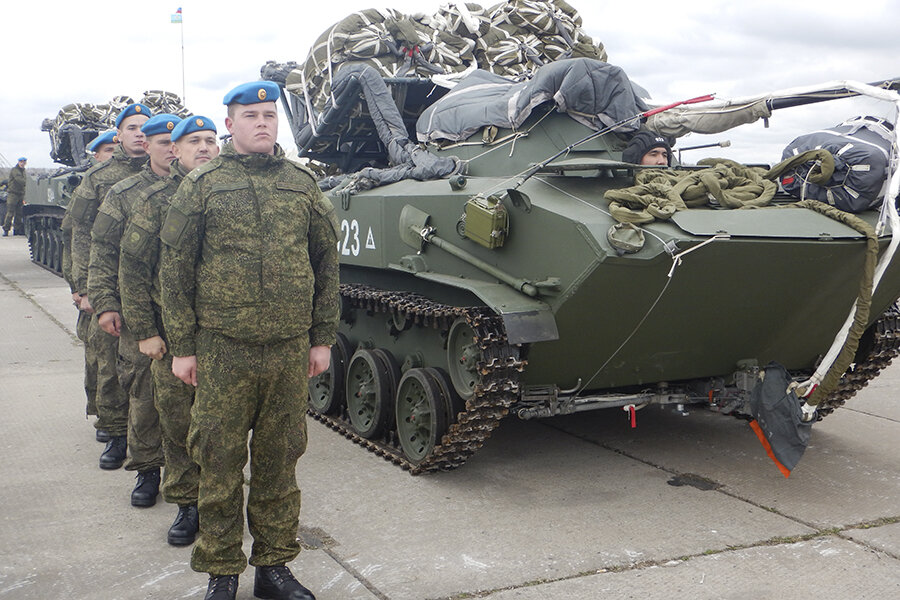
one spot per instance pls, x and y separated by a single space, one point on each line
581 507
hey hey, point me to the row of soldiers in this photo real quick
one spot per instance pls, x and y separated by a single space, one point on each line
207 288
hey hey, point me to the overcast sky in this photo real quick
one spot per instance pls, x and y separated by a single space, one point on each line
57 52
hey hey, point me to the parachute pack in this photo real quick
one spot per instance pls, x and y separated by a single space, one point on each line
509 39
861 149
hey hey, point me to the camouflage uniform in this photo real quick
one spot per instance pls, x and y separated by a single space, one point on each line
144 441
139 290
82 326
112 403
249 277
15 190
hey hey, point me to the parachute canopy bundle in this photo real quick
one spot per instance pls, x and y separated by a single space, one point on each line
77 124
510 39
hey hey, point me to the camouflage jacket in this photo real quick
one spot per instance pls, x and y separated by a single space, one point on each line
16 184
139 259
86 200
250 251
106 235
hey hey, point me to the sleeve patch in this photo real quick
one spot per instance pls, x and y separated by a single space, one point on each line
324 207
136 240
80 208
173 229
104 224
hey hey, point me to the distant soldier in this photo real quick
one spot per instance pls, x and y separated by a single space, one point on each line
249 276
144 437
102 148
15 198
194 144
127 159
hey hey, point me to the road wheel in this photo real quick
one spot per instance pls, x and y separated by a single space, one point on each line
421 415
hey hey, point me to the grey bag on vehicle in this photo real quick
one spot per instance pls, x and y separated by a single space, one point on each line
861 147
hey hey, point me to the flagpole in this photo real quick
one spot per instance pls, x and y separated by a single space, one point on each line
183 94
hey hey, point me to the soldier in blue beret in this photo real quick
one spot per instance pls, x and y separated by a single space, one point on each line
194 144
249 282
103 145
144 442
127 158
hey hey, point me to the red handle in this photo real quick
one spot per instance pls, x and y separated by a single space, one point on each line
705 98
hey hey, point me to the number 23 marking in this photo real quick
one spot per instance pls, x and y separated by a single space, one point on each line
349 246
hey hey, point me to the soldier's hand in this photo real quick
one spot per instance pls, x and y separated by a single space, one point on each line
76 298
185 369
86 305
319 359
110 322
153 347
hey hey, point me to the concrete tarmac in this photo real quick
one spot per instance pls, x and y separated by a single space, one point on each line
581 507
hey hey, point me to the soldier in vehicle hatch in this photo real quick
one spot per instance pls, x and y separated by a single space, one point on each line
15 198
649 149
102 148
126 160
195 144
144 438
249 276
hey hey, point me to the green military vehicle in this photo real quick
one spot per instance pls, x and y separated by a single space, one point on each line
504 264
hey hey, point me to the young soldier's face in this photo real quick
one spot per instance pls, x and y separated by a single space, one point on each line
159 148
194 149
130 135
104 152
253 127
656 157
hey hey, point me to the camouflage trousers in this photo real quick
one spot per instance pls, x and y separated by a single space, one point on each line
144 438
14 213
173 402
82 328
244 387
112 403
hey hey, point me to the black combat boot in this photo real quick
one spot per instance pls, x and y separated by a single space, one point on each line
102 435
146 489
184 529
222 587
5 232
278 583
114 454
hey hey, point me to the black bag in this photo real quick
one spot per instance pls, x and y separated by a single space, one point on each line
861 147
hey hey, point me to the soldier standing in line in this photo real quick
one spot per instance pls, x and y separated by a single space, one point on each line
127 159
102 148
195 144
249 276
144 437
15 198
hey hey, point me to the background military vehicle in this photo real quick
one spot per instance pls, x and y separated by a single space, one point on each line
71 131
484 272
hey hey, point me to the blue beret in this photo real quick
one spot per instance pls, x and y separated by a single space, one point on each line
21 158
133 109
192 125
161 123
108 137
253 93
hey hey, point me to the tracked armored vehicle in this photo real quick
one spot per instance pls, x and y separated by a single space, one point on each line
485 271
